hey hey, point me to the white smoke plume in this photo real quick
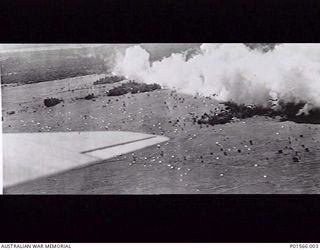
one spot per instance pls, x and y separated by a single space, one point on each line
233 72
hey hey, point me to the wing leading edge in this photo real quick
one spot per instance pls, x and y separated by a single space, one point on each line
27 156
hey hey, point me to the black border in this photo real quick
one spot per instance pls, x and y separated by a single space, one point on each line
184 21
164 218
160 218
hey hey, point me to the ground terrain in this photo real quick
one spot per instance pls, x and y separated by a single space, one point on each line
248 156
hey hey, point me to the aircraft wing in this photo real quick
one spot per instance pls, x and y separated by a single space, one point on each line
27 156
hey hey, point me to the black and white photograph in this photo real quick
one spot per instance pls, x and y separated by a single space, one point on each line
160 118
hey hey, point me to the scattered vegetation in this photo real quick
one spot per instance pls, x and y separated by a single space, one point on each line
50 102
133 87
109 79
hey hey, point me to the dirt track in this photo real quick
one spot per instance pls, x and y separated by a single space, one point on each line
247 156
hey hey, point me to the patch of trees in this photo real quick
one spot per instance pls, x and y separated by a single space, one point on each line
51 101
289 111
133 87
286 111
264 47
89 96
109 79
235 111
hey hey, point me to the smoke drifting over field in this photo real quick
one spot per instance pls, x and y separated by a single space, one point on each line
289 73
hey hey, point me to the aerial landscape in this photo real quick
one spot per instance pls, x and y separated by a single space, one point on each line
237 118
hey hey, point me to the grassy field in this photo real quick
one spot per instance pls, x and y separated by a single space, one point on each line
255 155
